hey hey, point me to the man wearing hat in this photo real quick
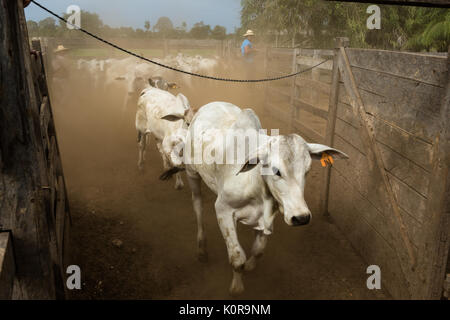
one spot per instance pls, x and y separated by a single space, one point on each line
60 72
247 46
60 63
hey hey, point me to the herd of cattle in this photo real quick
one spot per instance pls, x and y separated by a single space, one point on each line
245 191
132 74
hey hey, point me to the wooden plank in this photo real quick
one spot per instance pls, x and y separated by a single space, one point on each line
303 105
60 217
331 117
368 206
347 210
401 174
395 163
45 117
421 124
405 170
279 51
416 95
419 67
418 123
437 241
279 92
309 133
7 266
414 149
275 111
367 131
293 111
277 72
316 52
310 62
314 85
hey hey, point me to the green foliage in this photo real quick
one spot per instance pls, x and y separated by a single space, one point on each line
91 21
147 25
316 23
164 26
219 33
200 31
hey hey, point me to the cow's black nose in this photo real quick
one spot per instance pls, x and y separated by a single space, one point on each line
301 220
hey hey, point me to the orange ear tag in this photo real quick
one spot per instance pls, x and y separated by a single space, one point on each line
326 160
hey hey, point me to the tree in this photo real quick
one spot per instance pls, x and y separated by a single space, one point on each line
47 27
184 26
219 33
33 28
200 31
318 22
432 30
164 26
147 25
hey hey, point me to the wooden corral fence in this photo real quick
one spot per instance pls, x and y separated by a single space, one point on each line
389 111
220 48
34 210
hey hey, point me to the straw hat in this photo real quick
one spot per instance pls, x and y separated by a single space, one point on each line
60 48
249 33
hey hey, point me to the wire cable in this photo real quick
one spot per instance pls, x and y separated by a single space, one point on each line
169 67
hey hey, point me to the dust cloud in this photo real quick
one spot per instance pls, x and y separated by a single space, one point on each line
156 259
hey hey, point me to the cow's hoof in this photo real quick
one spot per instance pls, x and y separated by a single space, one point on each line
203 257
237 288
250 264
141 168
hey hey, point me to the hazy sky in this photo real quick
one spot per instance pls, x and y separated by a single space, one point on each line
133 13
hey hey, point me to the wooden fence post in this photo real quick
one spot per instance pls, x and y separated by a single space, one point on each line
266 73
294 111
331 122
7 266
437 241
315 76
22 206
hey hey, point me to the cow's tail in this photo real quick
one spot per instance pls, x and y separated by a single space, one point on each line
169 173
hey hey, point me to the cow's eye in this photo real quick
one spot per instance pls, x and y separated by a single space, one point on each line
276 171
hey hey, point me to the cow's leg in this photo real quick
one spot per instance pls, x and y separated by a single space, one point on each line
146 142
179 181
142 144
194 181
127 100
257 250
236 255
163 156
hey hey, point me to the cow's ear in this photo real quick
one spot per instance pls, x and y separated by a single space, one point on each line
249 165
152 82
173 85
173 117
184 101
316 151
259 155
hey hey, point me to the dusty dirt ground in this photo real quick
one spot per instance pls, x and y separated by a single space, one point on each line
111 200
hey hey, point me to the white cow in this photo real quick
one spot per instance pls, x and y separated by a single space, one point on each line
243 194
161 114
93 69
